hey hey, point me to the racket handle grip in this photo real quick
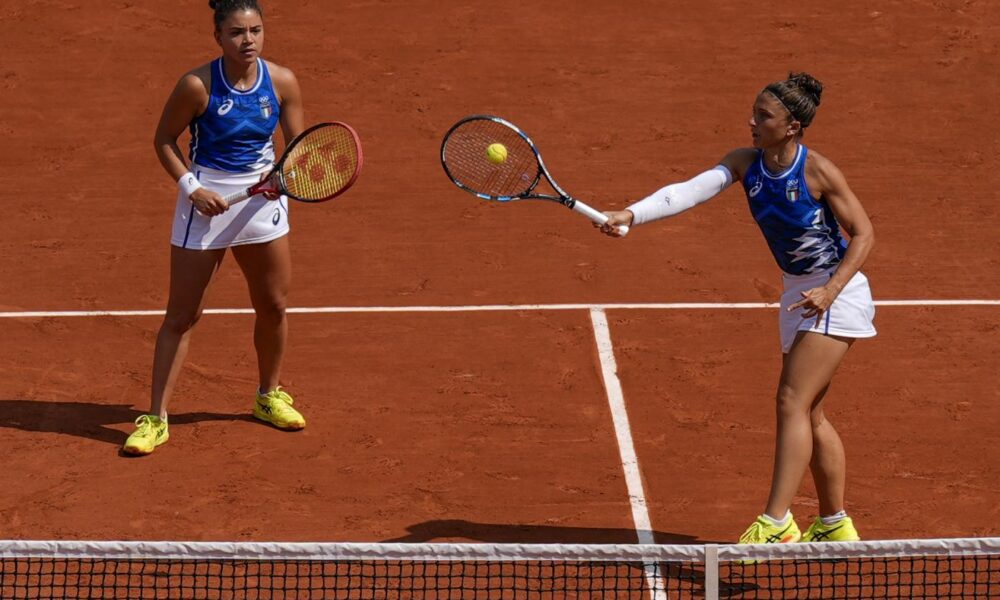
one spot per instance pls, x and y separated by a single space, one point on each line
235 197
597 216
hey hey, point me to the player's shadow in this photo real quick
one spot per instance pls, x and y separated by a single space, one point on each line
506 533
88 420
680 574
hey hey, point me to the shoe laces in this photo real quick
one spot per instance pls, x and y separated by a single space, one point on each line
278 399
282 395
754 534
145 424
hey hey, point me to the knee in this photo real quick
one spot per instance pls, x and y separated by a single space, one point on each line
790 403
271 308
180 321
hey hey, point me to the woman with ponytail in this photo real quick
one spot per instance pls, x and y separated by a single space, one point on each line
801 201
231 106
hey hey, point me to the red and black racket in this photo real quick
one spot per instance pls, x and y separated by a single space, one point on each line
321 163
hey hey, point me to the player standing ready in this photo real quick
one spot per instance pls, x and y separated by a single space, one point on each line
800 200
232 106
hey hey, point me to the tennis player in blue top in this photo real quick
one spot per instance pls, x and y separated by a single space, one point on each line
801 202
231 106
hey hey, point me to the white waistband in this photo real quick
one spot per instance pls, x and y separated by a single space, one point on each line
220 173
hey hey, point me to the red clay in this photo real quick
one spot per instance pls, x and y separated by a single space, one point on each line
495 426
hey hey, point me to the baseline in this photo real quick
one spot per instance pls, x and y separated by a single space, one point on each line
477 308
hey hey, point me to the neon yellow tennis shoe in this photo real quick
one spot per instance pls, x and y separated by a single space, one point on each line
762 531
150 432
275 407
841 531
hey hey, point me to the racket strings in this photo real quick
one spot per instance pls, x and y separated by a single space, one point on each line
321 164
468 164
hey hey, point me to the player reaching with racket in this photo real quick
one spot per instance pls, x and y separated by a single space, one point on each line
232 106
801 201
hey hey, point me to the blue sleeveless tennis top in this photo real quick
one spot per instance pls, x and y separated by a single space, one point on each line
802 232
235 132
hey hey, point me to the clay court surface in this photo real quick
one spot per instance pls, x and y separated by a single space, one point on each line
495 426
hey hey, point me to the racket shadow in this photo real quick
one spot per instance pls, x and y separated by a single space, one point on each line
89 420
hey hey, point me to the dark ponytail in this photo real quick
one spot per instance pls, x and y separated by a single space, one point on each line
223 8
799 94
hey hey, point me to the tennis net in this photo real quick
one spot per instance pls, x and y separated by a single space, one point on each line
942 568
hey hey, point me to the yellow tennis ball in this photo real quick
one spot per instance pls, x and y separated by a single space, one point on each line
496 153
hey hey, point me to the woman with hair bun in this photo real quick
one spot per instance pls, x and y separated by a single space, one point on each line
801 201
232 106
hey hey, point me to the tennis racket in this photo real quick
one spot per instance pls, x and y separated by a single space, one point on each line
467 163
318 165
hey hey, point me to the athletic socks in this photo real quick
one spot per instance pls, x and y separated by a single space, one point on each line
834 518
830 520
778 522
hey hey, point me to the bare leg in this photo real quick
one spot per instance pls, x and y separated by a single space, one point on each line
268 271
828 464
191 272
805 375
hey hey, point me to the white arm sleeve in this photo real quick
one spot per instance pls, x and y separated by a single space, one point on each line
678 197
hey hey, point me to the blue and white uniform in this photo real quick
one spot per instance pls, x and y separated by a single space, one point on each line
231 148
804 237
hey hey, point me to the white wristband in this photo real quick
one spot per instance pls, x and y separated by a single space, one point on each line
188 184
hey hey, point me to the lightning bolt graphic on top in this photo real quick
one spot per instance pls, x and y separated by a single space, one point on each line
816 244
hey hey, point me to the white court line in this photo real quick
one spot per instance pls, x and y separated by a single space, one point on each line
626 449
476 308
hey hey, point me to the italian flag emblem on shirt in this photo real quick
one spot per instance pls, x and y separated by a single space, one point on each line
792 190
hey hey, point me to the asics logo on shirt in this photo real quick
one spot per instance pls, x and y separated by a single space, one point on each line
756 188
225 107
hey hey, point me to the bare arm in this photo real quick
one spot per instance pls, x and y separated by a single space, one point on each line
290 96
738 161
832 185
188 100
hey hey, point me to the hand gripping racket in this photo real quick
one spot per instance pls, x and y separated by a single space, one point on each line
319 164
473 162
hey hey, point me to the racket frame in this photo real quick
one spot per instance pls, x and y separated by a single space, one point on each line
563 198
274 181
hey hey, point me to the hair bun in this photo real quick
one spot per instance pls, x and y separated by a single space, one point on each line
808 84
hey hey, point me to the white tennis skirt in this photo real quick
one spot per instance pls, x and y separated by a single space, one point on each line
252 221
851 314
